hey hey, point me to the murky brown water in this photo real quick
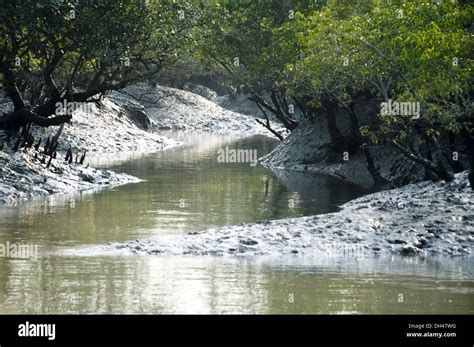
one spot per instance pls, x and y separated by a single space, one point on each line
187 189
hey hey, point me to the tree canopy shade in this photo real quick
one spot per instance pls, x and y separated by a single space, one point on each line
239 38
330 54
56 50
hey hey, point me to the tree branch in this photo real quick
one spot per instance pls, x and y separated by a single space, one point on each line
267 125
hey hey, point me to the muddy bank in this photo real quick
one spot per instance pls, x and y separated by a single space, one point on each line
24 177
309 148
123 124
306 149
96 129
176 109
423 219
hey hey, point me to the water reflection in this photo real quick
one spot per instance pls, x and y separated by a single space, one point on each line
139 284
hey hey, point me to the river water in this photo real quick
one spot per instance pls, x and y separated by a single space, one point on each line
187 189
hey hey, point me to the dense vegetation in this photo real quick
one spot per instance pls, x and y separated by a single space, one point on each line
315 56
325 56
71 51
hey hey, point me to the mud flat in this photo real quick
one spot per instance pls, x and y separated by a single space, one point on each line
425 219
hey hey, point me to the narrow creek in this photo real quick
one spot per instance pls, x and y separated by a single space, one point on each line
187 189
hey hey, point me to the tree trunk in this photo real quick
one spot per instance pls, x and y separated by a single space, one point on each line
379 181
289 122
12 89
356 141
438 170
22 115
337 140
468 138
267 123
443 171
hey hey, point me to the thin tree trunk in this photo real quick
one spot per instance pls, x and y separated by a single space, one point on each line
289 123
336 137
445 174
379 181
468 138
267 124
436 169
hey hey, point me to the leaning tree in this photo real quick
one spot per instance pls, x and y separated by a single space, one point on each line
71 51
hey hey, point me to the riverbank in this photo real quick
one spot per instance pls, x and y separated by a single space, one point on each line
24 177
307 148
101 129
426 219
122 124
181 110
